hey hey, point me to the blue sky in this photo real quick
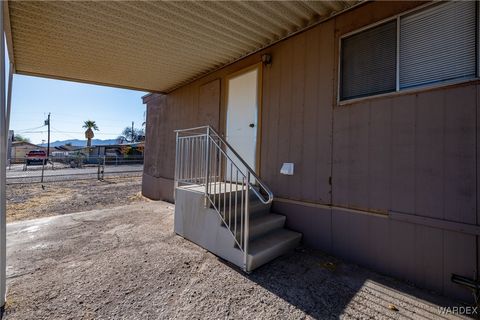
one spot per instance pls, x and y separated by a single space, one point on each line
70 104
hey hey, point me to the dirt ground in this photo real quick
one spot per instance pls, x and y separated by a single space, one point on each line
126 263
29 201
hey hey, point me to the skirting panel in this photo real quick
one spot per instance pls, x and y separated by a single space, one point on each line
157 188
423 255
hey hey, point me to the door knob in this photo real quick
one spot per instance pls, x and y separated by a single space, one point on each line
251 125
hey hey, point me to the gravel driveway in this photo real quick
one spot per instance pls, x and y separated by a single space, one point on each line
126 263
16 175
29 201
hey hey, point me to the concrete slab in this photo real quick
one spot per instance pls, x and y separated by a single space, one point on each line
126 262
215 187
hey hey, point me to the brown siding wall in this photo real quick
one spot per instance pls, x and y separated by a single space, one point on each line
297 115
413 153
166 113
403 198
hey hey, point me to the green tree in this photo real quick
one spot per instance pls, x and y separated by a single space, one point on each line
19 137
90 126
130 136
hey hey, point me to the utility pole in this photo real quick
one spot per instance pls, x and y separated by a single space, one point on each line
47 122
133 139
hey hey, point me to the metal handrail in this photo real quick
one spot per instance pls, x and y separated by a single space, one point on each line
204 159
251 171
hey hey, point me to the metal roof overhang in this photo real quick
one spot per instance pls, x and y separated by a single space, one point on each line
150 46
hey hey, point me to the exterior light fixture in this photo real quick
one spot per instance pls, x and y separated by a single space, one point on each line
266 59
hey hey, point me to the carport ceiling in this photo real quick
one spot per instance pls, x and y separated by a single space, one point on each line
151 46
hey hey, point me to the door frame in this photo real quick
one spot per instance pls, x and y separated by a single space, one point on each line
259 67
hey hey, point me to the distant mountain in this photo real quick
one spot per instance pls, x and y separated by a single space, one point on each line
80 143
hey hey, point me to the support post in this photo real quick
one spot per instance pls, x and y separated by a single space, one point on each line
48 142
9 95
133 136
3 166
98 169
43 172
103 168
247 220
207 166
47 122
9 104
176 172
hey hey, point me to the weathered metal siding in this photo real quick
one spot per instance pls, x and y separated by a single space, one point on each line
165 114
413 153
407 153
403 198
297 115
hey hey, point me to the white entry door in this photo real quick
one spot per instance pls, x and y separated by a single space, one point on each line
242 116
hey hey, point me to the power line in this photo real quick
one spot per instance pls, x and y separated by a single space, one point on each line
21 130
70 132
33 131
96 119
82 132
104 123
68 135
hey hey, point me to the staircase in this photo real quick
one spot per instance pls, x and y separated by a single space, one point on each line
222 205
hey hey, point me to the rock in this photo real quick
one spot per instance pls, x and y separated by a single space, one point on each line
392 307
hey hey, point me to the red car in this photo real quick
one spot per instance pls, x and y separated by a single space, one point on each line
36 157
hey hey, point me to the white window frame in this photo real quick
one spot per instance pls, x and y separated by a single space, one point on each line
398 90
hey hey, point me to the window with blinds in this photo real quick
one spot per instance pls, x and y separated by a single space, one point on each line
438 44
435 44
368 62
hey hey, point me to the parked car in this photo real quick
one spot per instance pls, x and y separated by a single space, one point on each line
35 157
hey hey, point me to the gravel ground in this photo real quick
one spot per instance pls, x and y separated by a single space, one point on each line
126 263
29 201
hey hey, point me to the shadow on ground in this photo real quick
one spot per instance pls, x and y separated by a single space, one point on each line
326 288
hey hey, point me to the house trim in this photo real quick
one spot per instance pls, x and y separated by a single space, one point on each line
419 89
436 223
374 212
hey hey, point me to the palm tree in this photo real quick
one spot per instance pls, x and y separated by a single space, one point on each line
89 125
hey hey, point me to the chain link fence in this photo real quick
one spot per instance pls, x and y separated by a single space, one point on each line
66 168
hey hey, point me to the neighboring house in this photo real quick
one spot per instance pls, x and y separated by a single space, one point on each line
99 151
120 150
361 118
377 110
63 151
21 148
66 148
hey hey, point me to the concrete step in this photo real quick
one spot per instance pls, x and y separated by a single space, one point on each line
271 246
256 209
261 225
233 197
203 225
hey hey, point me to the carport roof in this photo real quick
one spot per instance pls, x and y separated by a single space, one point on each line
151 46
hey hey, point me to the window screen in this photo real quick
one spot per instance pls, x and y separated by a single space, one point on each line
438 44
368 62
